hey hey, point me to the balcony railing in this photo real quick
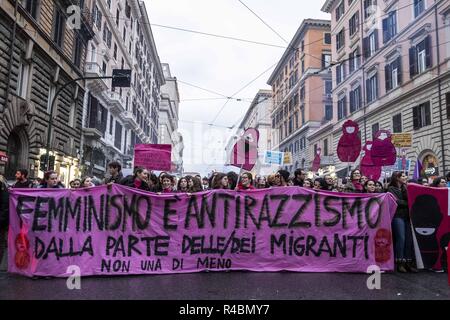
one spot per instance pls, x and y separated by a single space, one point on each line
93 69
116 102
129 120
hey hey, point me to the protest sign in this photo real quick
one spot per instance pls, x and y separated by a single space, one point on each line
430 217
153 156
245 150
349 145
287 158
273 157
119 230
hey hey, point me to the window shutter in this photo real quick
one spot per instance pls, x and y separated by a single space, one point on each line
368 94
366 47
344 106
376 86
412 62
385 30
399 71
428 51
338 74
427 113
416 121
376 39
352 101
388 76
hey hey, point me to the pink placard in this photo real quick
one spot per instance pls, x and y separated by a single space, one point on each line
153 156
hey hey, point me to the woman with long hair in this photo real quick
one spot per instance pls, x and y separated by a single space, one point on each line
261 183
245 182
183 185
401 227
439 182
138 180
87 182
167 182
354 184
370 186
221 181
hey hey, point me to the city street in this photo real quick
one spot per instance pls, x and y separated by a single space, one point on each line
233 286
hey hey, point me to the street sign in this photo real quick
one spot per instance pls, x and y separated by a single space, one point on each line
121 78
402 140
273 157
3 157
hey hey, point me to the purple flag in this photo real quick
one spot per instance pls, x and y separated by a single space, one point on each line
417 170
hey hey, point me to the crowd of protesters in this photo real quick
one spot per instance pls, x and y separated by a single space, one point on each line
143 179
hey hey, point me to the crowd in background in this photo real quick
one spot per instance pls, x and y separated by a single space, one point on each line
165 183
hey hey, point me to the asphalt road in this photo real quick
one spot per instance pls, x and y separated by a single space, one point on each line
232 286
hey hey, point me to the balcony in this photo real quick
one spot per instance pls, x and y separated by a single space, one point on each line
129 120
98 86
115 101
93 133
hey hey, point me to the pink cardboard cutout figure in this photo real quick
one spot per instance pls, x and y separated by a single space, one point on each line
316 162
245 150
349 145
383 151
368 168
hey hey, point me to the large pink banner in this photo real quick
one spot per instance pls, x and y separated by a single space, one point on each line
117 230
153 156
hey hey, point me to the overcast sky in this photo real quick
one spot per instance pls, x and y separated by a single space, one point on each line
221 65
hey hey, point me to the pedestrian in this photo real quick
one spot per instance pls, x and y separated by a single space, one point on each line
271 180
307 183
448 179
329 182
370 186
153 182
167 183
22 180
4 215
233 178
87 182
299 177
439 182
379 187
261 183
205 183
401 226
183 185
424 182
354 183
51 181
221 181
75 183
115 173
363 180
138 180
320 184
245 182
282 178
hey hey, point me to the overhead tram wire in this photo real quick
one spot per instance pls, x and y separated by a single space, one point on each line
266 24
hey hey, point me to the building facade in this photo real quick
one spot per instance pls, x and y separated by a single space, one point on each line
258 117
115 119
40 52
301 91
392 72
168 119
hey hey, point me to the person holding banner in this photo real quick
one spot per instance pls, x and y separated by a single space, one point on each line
87 183
51 181
221 181
299 177
246 182
261 183
115 172
401 225
370 187
138 180
439 182
282 178
354 184
182 185
167 182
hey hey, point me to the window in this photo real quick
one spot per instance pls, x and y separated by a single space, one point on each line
328 88
353 61
340 40
372 88
73 113
326 60
393 74
325 147
115 51
117 17
302 111
51 94
397 123
355 99
375 129
291 124
342 107
124 34
111 122
58 27
421 115
370 44
77 49
31 6
328 112
104 67
327 38
97 17
419 7
303 66
389 26
303 45
420 57
302 93
340 10
118 136
353 24
107 35
369 8
447 101
340 73
296 120
24 79
109 3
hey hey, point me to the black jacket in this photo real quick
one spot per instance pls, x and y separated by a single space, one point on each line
401 196
4 206
129 182
116 179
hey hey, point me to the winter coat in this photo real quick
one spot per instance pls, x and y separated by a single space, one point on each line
401 196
